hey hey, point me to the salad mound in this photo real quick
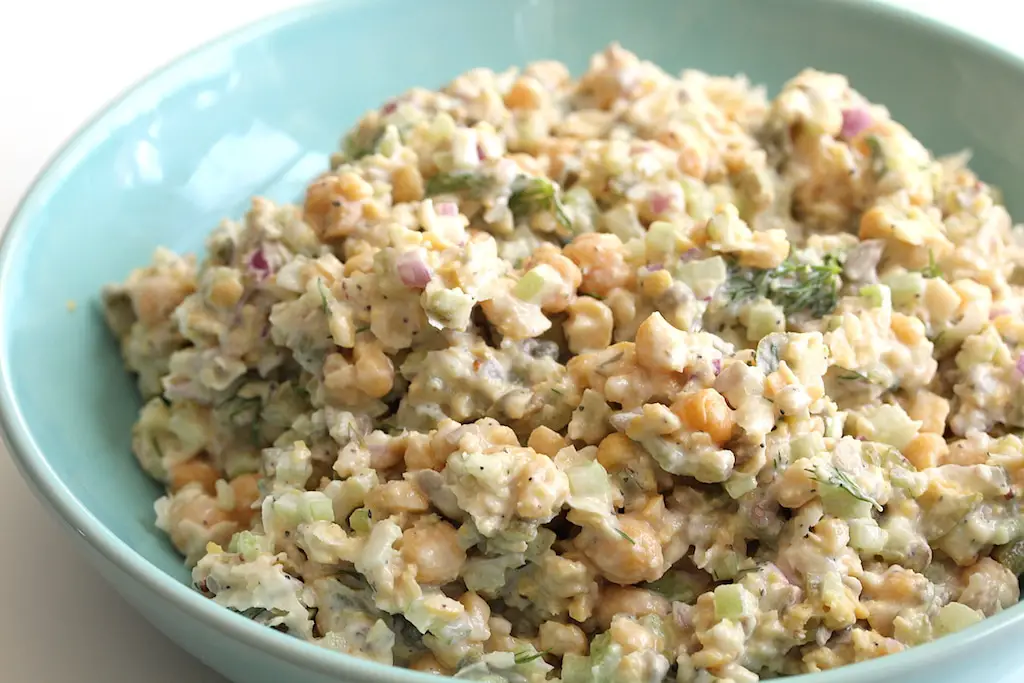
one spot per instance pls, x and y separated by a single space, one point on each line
622 379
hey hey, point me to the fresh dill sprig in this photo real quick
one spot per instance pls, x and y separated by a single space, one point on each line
797 288
535 195
879 166
626 536
840 479
854 376
459 182
525 657
323 296
932 270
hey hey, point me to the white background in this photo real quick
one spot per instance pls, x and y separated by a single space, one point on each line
60 61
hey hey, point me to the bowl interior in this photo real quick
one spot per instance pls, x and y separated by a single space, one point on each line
258 112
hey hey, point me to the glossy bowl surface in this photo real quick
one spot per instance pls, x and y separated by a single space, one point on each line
257 112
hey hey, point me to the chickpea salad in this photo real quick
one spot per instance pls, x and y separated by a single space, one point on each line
621 379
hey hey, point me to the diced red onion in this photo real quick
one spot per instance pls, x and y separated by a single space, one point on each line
854 121
716 364
446 209
389 108
690 255
1020 363
258 264
413 270
654 267
480 151
996 312
660 202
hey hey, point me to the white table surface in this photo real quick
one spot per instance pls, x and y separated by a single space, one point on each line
78 630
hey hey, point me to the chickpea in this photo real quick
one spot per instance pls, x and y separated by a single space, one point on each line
525 93
225 288
420 455
428 663
632 636
589 325
557 301
195 470
769 250
601 259
629 600
406 184
501 639
616 451
203 511
624 560
479 613
931 410
155 297
562 639
926 449
706 411
374 371
661 346
434 549
545 440
247 491
396 496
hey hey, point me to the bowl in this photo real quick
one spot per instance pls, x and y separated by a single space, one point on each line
258 111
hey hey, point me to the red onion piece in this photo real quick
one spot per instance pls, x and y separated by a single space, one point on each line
446 209
690 255
654 267
258 264
660 202
716 364
413 271
1020 363
854 121
389 108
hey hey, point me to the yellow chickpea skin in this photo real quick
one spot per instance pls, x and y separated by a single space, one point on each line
617 450
629 600
589 326
562 639
601 259
545 440
195 470
633 556
245 488
375 373
396 496
706 411
427 663
434 548
931 410
926 450
406 184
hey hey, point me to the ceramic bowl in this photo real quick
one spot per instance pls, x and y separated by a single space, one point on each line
257 112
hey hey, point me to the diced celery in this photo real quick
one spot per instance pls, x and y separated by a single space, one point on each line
704 277
808 445
360 521
535 284
588 480
740 484
247 544
1011 556
888 424
576 668
731 601
956 616
448 308
286 508
662 241
763 318
314 506
681 586
876 295
622 221
906 288
839 502
866 536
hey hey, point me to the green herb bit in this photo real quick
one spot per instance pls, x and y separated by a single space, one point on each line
359 145
525 657
766 358
536 195
323 296
842 480
854 376
932 270
626 536
879 166
798 288
473 184
362 328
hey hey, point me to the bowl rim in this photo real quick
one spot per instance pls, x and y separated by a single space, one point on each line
53 492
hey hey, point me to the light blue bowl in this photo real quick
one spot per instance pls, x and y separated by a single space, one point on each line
258 111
